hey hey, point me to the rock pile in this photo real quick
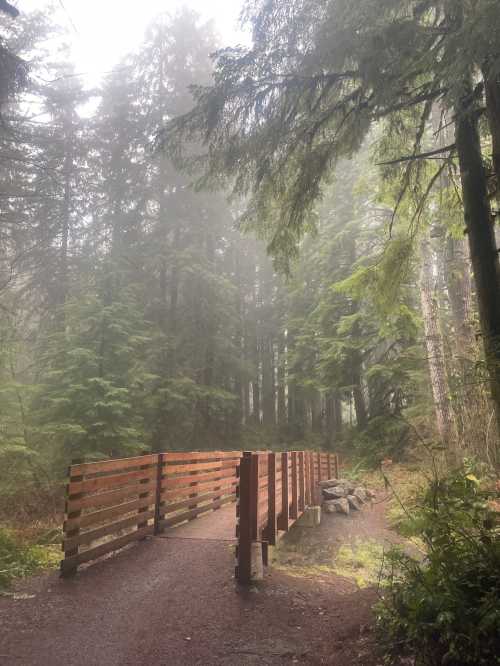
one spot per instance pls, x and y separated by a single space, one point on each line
343 495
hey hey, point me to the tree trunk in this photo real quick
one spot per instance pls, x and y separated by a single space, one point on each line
316 412
459 287
473 409
356 381
268 388
338 416
482 245
359 405
281 381
173 301
435 353
492 91
62 286
330 425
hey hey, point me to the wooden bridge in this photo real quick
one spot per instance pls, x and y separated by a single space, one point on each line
113 503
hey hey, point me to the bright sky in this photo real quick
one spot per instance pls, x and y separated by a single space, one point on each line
104 30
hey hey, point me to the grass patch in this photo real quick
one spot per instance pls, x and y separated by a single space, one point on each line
360 561
19 558
405 485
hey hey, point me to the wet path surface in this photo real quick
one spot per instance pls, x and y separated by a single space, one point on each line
174 600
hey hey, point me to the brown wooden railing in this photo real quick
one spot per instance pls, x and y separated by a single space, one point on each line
274 491
112 503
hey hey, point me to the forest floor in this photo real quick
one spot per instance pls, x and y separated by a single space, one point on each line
174 601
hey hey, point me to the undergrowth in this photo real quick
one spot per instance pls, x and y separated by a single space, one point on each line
19 558
444 609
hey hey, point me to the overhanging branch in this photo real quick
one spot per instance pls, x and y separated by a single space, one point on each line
419 156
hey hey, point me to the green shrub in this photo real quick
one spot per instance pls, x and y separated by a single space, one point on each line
20 559
445 609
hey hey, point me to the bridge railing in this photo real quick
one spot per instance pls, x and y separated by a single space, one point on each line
112 503
273 492
109 504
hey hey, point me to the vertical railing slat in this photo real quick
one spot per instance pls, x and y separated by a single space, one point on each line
158 501
302 488
70 569
294 511
244 553
271 510
284 517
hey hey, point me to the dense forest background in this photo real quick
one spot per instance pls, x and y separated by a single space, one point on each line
136 313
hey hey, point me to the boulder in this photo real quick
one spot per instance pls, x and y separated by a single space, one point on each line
354 502
328 483
360 493
348 485
337 505
329 507
334 493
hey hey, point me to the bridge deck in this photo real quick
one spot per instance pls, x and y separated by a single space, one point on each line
216 525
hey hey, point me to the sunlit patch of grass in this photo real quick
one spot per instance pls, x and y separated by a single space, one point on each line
360 561
402 484
19 558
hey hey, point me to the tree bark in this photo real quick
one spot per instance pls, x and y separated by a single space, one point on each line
482 245
281 381
68 166
316 412
268 387
492 93
435 353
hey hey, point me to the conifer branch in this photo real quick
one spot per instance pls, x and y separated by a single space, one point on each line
419 156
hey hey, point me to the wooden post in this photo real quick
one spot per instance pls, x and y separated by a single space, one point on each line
307 478
244 531
337 467
271 509
215 499
70 569
294 512
311 478
302 487
330 466
158 500
143 495
254 496
283 517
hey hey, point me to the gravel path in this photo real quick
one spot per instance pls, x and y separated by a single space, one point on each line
173 601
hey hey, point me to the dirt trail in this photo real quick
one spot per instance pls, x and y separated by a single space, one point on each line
174 601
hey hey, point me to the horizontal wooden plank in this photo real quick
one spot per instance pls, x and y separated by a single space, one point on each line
171 456
93 535
208 486
199 467
82 469
105 548
113 481
192 501
110 498
88 519
188 515
178 482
